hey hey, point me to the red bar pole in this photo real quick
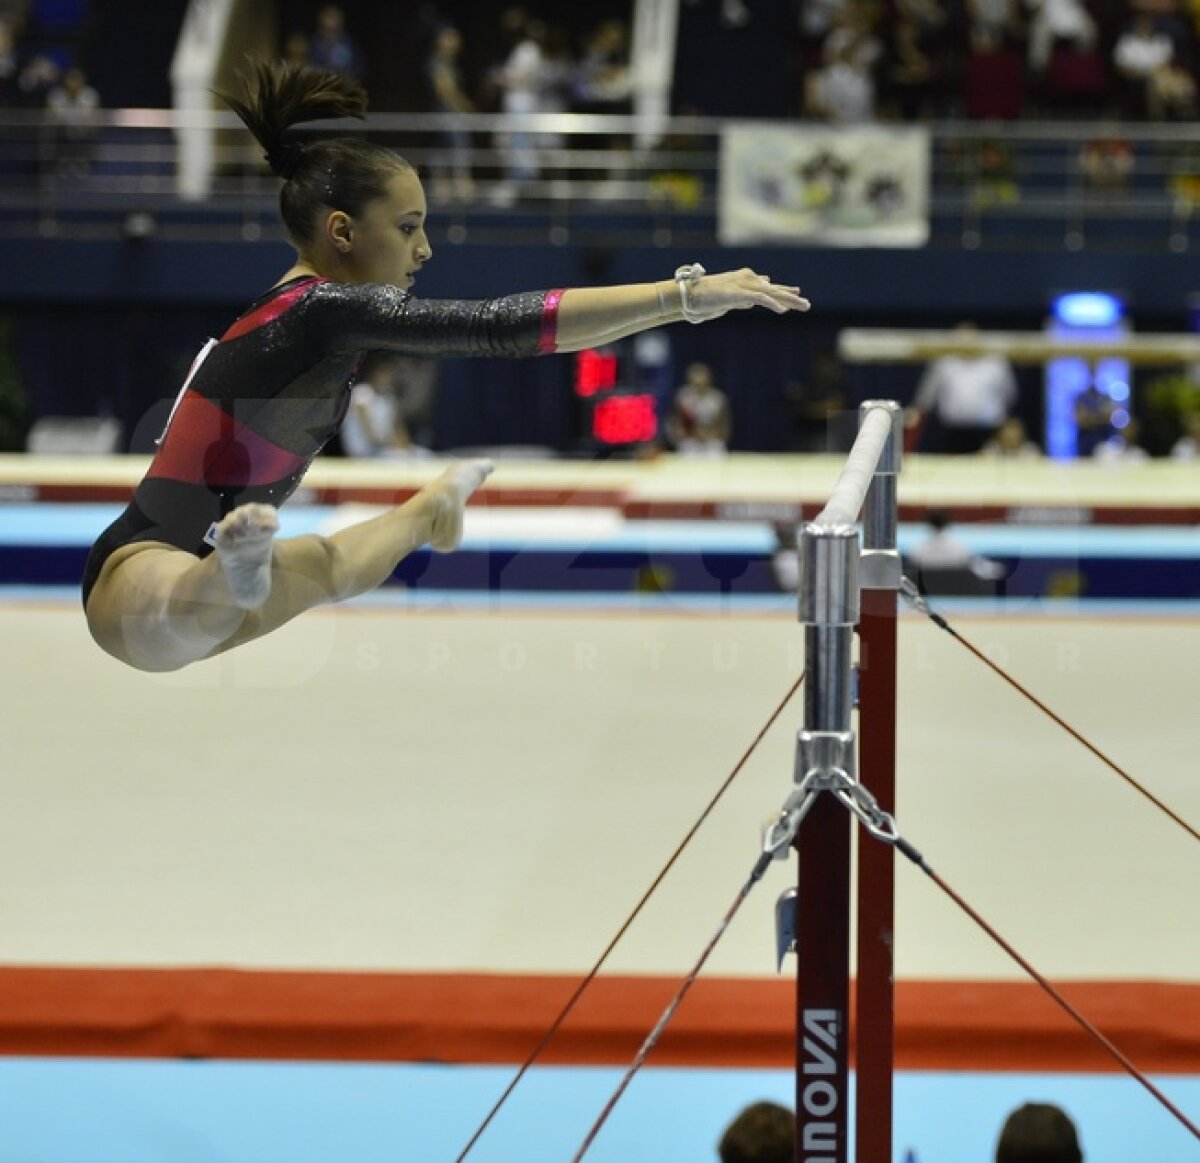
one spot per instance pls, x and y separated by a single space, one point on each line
823 984
874 1038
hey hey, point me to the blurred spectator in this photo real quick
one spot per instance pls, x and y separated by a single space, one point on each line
842 91
734 13
333 48
71 109
942 550
763 1132
1011 442
1171 92
1038 1133
816 19
969 395
1139 52
855 29
557 89
1058 22
1107 164
785 558
38 76
390 408
295 49
910 73
699 423
451 175
1187 447
522 83
994 23
603 82
816 401
8 60
604 85
1093 419
1123 445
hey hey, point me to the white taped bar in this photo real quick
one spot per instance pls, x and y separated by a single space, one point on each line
846 502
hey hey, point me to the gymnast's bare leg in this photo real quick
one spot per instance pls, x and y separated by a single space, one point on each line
159 608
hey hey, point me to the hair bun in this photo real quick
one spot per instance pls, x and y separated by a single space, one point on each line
285 158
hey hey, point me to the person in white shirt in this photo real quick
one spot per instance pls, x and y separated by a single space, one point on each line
970 395
941 549
1140 51
1051 21
522 80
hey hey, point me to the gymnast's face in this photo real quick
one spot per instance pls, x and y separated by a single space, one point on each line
386 243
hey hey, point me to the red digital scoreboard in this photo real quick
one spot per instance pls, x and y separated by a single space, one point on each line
618 416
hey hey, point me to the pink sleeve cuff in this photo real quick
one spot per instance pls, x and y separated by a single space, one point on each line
549 337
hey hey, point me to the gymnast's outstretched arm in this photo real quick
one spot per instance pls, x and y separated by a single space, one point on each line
592 316
361 317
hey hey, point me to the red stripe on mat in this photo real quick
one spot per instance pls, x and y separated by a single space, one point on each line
224 1013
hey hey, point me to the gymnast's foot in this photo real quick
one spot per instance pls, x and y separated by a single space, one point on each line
449 495
244 540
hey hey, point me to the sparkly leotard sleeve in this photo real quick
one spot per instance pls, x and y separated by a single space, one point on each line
262 401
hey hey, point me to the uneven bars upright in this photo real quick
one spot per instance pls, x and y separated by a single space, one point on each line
879 577
830 610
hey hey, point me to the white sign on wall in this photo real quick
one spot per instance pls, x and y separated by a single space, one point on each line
824 186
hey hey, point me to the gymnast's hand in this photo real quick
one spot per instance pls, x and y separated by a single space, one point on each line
711 296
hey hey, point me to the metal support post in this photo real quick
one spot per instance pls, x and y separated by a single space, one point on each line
829 610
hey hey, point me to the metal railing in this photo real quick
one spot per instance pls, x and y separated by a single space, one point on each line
1029 184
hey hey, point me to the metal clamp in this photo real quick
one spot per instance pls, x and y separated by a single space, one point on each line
778 836
866 807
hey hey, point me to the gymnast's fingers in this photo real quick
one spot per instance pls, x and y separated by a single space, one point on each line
781 299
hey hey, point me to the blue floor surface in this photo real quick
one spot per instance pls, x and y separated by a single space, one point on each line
122 1111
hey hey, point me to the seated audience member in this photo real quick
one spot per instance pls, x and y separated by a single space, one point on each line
1171 92
333 48
763 1132
842 91
1140 51
1038 1133
1011 442
71 112
1122 446
1055 22
452 171
390 406
942 552
699 423
1107 164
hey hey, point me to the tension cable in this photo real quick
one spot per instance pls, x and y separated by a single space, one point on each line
573 1000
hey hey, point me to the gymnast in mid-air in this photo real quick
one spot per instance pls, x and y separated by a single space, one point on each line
193 567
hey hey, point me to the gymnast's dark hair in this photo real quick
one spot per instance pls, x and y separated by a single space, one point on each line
339 173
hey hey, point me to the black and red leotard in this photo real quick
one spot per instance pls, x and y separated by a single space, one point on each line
262 401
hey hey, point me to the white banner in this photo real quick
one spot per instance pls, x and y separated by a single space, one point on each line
824 186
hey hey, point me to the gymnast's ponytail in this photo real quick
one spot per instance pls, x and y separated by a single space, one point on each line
334 173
